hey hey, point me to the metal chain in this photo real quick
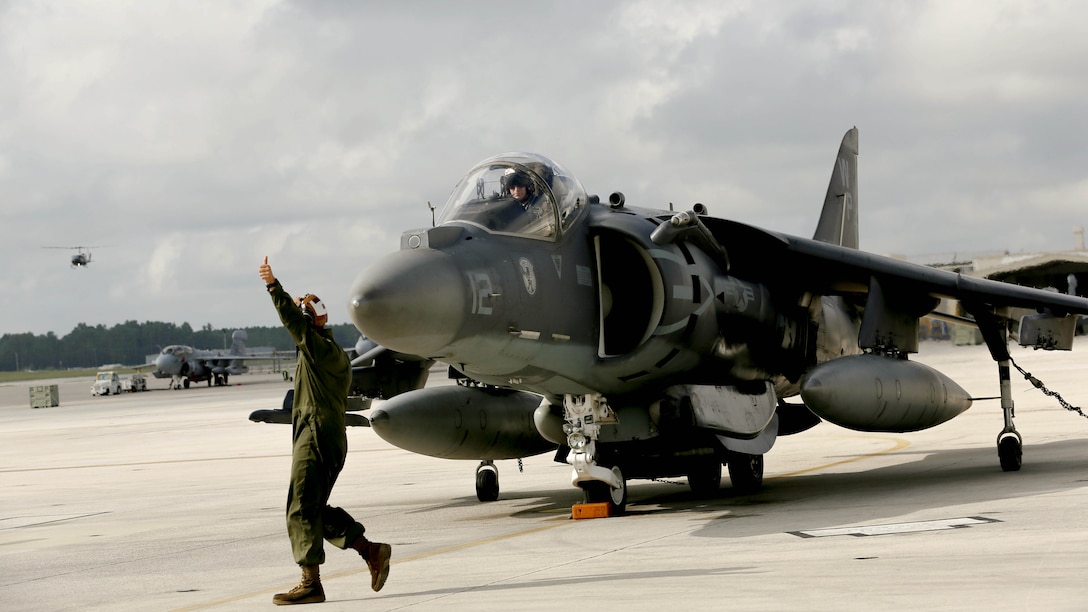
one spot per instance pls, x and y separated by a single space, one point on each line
1040 386
672 482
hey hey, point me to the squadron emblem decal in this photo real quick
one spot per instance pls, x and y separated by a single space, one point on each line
528 277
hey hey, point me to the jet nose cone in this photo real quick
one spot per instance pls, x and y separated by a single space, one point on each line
411 301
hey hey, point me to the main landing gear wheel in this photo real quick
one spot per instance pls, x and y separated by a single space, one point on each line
706 478
487 481
185 383
745 472
596 492
1011 452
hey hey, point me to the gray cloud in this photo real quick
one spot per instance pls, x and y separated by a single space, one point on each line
189 139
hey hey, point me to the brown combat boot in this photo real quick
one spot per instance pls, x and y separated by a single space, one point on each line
307 591
377 559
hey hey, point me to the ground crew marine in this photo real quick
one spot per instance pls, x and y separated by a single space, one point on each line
322 380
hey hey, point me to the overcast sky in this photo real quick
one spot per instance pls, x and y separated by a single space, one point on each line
183 141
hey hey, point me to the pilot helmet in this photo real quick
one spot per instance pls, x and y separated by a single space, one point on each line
516 177
314 309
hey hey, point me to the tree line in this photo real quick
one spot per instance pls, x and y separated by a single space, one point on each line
130 343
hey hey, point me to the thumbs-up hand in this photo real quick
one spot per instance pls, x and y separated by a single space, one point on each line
266 272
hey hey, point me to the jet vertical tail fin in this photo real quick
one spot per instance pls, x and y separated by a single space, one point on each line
238 342
839 218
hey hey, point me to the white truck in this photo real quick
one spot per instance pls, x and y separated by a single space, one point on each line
106 383
133 383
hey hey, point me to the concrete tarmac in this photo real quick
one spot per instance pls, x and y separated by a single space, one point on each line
173 500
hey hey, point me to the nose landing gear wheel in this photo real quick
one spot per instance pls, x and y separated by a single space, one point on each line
596 492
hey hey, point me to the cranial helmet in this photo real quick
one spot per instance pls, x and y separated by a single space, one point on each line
314 309
515 177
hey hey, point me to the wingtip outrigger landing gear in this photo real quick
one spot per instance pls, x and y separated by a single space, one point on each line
1047 331
1010 450
1010 445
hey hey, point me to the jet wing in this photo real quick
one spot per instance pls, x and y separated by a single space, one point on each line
829 269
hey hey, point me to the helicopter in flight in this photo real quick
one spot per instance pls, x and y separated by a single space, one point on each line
81 259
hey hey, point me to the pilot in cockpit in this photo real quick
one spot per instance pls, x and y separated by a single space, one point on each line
537 218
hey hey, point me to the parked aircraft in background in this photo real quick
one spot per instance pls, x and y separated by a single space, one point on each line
652 343
185 365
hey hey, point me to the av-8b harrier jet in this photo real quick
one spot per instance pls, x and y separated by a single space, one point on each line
641 343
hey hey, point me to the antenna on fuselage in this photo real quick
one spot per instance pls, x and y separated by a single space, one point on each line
432 212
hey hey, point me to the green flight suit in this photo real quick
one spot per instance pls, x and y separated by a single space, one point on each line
320 443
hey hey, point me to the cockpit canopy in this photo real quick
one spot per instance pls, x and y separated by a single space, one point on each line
555 199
